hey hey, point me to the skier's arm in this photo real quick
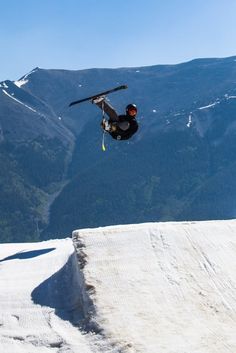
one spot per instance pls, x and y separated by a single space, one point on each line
108 109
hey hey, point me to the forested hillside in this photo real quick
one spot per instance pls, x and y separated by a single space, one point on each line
54 177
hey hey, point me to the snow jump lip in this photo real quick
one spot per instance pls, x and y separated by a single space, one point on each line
166 287
154 287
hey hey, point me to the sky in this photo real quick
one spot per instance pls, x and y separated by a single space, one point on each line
83 34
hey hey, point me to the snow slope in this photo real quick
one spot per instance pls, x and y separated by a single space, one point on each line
155 287
163 287
39 293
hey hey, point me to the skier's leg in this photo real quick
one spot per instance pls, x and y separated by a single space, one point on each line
107 108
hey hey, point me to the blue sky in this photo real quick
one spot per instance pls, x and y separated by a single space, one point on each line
78 34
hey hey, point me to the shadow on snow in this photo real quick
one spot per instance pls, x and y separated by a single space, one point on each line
23 255
62 292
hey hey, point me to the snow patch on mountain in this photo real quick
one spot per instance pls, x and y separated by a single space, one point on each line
231 97
18 101
3 85
20 83
24 80
189 124
209 106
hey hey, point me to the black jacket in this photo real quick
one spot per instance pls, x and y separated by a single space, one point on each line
130 124
126 125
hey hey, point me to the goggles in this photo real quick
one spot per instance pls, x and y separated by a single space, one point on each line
132 110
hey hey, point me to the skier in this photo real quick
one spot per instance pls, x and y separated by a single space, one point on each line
120 127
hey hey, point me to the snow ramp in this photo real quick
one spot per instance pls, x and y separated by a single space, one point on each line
161 287
40 299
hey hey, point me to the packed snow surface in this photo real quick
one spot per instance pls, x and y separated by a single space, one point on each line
147 288
39 298
164 287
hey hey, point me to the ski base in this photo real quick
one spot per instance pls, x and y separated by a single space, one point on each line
99 94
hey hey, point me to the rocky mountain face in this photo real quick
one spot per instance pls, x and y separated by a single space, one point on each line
181 165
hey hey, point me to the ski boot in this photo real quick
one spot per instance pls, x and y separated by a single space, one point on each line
98 99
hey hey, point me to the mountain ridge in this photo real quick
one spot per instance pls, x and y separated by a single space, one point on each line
186 139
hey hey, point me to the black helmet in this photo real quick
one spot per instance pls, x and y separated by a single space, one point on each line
131 107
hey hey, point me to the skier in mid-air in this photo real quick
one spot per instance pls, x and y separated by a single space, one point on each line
120 127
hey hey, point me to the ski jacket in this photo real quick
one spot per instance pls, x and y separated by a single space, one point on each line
125 125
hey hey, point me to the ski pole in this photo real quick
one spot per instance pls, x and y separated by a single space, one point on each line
103 142
103 135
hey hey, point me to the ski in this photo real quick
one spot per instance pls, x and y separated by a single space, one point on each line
98 95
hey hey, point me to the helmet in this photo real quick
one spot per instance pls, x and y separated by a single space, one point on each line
131 107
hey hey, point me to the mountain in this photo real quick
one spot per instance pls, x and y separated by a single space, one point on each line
153 287
179 166
33 151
